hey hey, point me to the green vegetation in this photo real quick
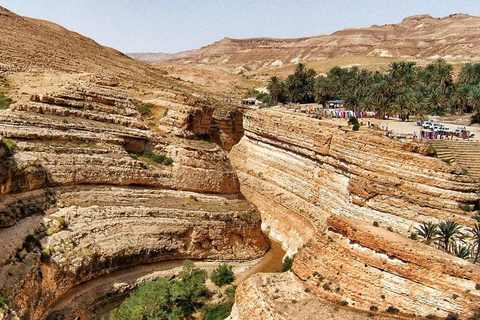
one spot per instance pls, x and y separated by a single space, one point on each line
451 238
31 241
11 145
5 101
222 275
45 255
164 299
217 312
405 89
156 158
3 301
63 223
354 122
192 197
287 264
145 108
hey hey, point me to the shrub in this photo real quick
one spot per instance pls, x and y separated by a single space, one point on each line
145 108
392 310
45 255
216 312
11 145
133 156
222 275
375 223
3 301
63 223
5 102
31 241
343 303
373 308
192 197
356 127
353 121
164 299
414 236
452 316
287 264
157 158
477 286
230 292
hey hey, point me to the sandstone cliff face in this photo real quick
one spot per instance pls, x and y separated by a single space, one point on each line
303 172
79 201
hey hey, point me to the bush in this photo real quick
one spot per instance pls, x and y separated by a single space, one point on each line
11 145
217 312
192 197
392 310
157 158
31 241
45 255
375 224
222 275
3 301
452 316
133 156
353 121
414 236
144 109
287 264
63 223
164 299
356 127
5 102
373 308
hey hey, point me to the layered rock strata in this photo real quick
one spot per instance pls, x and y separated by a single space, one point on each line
302 173
82 196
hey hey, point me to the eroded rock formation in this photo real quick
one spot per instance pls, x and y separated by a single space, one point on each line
80 197
321 188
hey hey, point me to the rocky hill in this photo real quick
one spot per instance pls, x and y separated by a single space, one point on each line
157 57
455 37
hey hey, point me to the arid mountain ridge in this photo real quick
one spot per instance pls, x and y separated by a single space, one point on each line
420 37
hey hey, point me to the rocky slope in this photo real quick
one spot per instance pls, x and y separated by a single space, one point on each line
454 37
82 198
321 188
157 57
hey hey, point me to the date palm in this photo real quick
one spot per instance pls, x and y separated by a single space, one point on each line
428 231
449 232
475 236
474 100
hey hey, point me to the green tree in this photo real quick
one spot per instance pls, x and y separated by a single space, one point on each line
474 100
276 88
222 275
475 236
428 231
449 232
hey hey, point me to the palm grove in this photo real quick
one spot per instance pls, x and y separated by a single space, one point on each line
406 89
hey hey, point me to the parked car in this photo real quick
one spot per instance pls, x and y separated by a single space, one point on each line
427 124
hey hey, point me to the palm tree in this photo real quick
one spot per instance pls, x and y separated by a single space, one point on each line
275 87
475 236
323 89
474 100
461 96
461 252
449 232
428 231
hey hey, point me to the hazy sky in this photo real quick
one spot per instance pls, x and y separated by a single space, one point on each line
176 25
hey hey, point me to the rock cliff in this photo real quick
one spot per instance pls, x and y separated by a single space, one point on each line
322 187
83 194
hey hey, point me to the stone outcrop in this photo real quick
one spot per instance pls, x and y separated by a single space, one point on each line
82 196
320 188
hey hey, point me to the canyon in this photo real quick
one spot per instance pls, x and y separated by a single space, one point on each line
113 171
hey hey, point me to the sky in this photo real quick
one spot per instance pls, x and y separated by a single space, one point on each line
177 25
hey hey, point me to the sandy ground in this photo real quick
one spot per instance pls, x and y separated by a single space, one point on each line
408 128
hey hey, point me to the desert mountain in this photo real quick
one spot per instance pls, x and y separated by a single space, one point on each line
158 56
28 44
455 37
